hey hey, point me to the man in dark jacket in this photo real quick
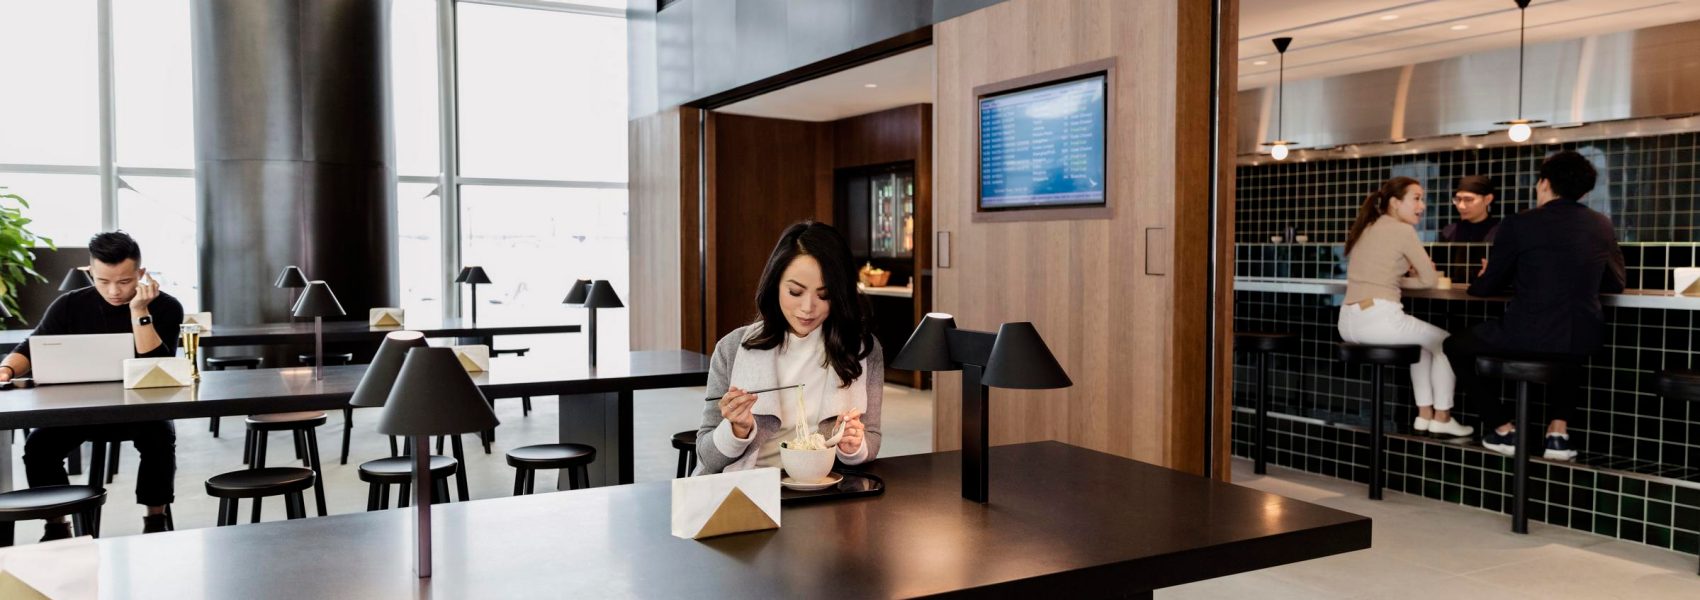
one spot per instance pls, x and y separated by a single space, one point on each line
1555 260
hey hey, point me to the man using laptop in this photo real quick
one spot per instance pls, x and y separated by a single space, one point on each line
123 300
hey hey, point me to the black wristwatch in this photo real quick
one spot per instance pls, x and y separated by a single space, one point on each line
144 320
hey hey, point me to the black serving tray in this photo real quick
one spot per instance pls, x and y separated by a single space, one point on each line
854 485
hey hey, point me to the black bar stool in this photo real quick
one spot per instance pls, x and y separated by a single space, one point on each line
82 502
1378 357
526 407
1682 385
332 360
220 363
382 473
459 454
572 459
303 426
289 482
686 443
1524 369
1260 346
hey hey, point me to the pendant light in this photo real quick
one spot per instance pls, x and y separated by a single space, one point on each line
1278 148
1520 130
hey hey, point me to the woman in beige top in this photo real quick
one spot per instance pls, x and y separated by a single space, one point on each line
1383 256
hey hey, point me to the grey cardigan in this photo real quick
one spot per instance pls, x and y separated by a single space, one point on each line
758 371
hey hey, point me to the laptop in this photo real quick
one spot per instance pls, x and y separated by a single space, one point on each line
80 358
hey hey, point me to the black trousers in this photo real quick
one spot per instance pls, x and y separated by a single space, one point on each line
156 441
1463 347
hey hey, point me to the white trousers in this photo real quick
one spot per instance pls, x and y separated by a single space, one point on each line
1385 323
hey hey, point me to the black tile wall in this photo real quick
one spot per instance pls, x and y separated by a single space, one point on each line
1638 477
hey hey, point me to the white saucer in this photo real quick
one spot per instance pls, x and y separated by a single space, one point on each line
832 479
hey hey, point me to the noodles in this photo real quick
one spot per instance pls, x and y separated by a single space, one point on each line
803 439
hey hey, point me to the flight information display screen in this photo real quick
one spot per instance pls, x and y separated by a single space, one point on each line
1043 147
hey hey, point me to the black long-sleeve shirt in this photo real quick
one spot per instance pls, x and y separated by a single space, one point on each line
85 311
1556 260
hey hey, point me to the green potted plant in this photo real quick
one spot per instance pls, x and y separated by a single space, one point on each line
17 264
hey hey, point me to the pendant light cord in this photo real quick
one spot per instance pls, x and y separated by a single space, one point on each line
1281 100
1522 27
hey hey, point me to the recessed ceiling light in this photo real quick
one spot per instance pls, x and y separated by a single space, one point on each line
1260 62
1389 17
1460 27
870 85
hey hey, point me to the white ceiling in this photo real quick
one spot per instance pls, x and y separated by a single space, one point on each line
902 80
1334 37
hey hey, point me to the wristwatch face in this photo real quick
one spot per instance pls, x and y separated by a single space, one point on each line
146 320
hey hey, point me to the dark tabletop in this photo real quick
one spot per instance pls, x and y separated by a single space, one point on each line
342 331
1062 520
244 391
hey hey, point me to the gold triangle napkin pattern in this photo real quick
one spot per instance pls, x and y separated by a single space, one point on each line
736 514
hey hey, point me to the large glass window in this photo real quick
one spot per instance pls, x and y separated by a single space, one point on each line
419 229
160 213
542 94
153 81
413 86
534 242
49 83
63 208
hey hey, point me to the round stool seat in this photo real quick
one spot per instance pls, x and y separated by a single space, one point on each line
220 363
1247 341
286 421
685 440
399 469
551 456
259 483
1684 385
48 502
1376 354
1533 368
331 359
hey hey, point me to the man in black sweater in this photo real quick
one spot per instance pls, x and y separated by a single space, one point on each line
123 300
1555 259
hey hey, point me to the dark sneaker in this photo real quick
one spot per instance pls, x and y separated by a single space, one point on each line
1558 447
154 524
1503 443
56 531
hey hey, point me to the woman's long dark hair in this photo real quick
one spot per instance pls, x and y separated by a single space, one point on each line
848 337
1375 205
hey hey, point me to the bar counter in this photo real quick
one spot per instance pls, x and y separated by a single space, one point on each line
1293 285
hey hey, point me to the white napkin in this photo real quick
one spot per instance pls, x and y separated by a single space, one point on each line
61 570
710 505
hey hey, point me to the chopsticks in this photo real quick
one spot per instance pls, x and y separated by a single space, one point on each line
773 389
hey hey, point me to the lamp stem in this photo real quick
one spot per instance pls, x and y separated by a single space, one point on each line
422 508
976 438
592 337
318 348
293 298
474 304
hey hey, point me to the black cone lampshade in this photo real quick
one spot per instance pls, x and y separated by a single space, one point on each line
473 275
1020 360
75 279
602 295
433 395
579 291
291 277
380 377
928 348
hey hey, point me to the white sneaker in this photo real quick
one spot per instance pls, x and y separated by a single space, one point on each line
1421 424
1451 427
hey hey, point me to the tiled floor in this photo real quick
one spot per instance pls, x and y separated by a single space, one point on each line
1428 549
658 414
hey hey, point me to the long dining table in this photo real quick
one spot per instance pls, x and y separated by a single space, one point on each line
343 331
596 402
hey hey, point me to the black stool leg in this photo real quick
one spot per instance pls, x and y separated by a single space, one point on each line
248 448
318 469
80 523
97 465
440 492
1261 465
223 512
213 426
526 406
294 506
112 460
300 439
693 455
530 482
76 461
259 463
7 532
519 482
406 495
372 496
680 473
1520 464
384 496
348 430
1376 444
460 469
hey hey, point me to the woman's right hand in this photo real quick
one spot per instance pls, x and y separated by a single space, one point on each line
736 407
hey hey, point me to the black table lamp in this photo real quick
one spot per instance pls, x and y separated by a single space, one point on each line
318 302
291 279
374 388
473 276
593 295
433 395
75 279
1015 358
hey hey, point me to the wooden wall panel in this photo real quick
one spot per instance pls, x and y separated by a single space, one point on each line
655 230
766 175
1223 344
878 138
1083 283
